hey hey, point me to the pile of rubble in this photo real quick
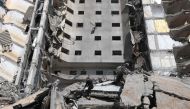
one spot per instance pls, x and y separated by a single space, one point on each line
159 92
8 93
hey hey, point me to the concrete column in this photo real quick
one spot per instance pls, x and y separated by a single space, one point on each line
34 68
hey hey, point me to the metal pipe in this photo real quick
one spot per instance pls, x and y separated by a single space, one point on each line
37 50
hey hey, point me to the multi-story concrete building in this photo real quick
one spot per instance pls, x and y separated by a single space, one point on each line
96 32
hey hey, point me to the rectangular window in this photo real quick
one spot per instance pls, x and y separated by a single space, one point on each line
70 10
79 24
72 72
78 52
78 37
99 72
97 38
115 24
81 1
114 1
116 52
68 22
98 24
67 36
64 50
97 52
98 12
73 1
116 38
114 12
81 12
83 72
98 1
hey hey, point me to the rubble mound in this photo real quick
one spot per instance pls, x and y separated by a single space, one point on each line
8 89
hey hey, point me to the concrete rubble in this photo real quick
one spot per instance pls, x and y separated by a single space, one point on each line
167 93
155 74
8 89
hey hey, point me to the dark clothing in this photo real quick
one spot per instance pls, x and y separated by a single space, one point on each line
119 79
90 86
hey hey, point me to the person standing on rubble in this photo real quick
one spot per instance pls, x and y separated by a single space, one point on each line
89 84
120 71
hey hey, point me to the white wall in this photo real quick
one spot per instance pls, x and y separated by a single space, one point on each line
88 45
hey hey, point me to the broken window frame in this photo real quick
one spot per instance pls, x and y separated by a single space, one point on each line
64 50
68 22
70 10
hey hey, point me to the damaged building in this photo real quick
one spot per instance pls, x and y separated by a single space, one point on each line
92 54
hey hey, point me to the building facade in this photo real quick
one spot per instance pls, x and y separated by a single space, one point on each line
95 33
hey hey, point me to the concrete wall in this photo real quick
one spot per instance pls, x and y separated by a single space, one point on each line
88 45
